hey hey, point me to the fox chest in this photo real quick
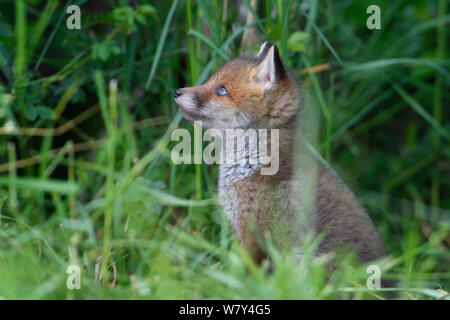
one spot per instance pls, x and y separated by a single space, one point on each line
252 201
229 196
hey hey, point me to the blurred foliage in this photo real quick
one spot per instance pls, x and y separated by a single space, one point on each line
85 121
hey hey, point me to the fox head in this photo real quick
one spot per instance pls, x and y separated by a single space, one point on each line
247 91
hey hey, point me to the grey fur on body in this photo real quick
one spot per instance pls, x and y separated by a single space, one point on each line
302 197
311 199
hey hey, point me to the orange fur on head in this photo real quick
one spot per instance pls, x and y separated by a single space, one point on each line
260 92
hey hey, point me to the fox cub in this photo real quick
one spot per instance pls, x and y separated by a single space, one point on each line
258 92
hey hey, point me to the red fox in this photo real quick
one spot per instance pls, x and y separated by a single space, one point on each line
258 92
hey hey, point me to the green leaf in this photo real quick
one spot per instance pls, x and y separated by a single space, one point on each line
143 11
122 13
30 112
44 185
44 112
140 18
297 41
115 49
102 51
147 9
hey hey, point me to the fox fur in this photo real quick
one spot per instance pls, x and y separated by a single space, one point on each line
301 198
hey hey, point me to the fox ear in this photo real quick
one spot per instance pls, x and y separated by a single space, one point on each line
264 49
270 69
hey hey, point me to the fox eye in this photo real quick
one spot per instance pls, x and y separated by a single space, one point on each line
221 91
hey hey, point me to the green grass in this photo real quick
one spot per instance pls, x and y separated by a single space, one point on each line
85 170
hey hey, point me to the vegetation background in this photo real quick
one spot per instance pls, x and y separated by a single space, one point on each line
85 120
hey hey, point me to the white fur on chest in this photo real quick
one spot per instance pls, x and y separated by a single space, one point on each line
229 198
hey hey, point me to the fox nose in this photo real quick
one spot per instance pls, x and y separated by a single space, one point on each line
178 93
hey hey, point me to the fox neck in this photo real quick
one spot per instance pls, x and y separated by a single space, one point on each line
280 122
241 158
